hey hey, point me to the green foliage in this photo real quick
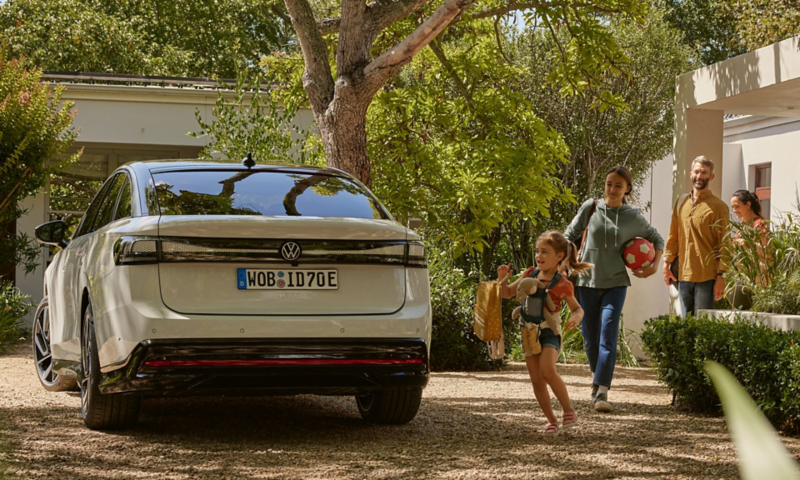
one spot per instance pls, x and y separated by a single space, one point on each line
708 27
13 306
762 22
253 119
761 454
454 346
35 128
456 143
720 29
197 38
767 264
586 49
762 359
598 139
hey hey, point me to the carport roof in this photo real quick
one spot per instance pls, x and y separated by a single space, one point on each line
763 82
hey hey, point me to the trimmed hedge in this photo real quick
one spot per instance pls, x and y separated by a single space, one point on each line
765 361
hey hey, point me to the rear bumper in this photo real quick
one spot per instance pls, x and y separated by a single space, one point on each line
353 366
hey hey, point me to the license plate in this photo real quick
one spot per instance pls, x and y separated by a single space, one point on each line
262 279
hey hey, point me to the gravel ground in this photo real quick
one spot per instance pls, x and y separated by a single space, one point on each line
470 425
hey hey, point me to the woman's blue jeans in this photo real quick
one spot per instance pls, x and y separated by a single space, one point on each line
602 308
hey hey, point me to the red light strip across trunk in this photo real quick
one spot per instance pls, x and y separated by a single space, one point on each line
299 361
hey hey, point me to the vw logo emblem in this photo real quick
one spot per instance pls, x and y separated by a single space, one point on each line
291 251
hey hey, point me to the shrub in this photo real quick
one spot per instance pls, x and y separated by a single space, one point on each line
454 346
765 361
35 128
13 306
767 264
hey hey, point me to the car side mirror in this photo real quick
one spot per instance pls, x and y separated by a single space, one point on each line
52 233
414 223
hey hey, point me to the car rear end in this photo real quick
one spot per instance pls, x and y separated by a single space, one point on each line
270 280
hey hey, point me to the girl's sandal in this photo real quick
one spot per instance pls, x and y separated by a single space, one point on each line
570 419
551 429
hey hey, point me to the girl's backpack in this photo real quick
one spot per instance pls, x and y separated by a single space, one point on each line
533 307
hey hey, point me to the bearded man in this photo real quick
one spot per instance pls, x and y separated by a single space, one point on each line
696 235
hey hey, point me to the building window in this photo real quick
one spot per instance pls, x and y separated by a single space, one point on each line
764 188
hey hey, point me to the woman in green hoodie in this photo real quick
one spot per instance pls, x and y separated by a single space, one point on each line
601 293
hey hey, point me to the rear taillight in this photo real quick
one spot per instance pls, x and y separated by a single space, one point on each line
416 255
130 250
136 250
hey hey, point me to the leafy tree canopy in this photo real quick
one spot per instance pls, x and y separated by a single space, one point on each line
454 139
196 38
35 127
634 136
721 29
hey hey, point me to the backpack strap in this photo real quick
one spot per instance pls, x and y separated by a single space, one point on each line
680 201
586 229
556 278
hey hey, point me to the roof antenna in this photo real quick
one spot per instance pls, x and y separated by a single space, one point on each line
249 162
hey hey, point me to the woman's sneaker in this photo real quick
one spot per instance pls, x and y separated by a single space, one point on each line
601 403
594 393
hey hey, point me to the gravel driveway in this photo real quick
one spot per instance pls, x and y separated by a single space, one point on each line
471 425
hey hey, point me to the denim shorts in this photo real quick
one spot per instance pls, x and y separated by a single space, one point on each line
548 338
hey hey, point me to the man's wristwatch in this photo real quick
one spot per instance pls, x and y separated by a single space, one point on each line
720 274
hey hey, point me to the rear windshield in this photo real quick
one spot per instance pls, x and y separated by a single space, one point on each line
228 192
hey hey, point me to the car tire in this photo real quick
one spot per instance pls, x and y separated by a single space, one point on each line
390 407
43 353
99 411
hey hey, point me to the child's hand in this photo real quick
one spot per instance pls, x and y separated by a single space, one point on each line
503 271
573 322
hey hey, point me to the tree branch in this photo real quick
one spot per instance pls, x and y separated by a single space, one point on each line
383 13
511 7
462 89
317 78
353 47
390 61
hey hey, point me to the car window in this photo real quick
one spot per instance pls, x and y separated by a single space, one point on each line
244 192
124 204
91 212
106 211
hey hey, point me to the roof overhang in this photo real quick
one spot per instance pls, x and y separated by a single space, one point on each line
763 82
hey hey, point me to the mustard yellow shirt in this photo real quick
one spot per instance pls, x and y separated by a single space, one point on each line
696 234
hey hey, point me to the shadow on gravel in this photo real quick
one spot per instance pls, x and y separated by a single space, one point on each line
307 436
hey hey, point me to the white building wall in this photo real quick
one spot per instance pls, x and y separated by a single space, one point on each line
32 283
761 140
648 298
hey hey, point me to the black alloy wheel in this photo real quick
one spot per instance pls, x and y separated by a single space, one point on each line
100 411
390 407
43 353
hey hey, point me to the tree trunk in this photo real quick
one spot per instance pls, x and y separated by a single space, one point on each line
344 135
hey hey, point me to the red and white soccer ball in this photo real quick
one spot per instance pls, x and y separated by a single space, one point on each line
638 253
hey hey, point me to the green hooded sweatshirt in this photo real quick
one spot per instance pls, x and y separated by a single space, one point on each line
610 228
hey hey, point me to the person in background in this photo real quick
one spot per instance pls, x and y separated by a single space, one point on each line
609 224
696 234
747 208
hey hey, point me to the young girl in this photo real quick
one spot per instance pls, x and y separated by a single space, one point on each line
554 255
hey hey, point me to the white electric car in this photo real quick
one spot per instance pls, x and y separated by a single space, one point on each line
198 278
